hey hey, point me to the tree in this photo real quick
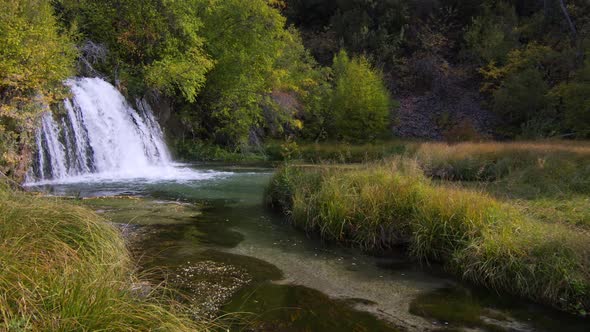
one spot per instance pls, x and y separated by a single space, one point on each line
254 55
360 102
152 44
574 101
34 60
491 36
521 98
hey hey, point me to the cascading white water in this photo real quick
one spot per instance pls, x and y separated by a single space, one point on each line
101 136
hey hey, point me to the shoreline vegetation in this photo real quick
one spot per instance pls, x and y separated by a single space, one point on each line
512 217
64 268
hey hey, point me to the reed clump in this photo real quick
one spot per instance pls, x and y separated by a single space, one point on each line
481 239
63 268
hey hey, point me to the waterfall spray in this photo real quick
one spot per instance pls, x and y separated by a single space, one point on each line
99 133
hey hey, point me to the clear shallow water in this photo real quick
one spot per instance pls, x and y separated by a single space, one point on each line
291 281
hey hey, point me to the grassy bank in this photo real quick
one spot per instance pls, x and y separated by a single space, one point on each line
278 151
192 152
480 238
557 165
334 152
65 269
549 181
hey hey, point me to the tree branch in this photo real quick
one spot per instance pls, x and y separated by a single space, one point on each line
568 18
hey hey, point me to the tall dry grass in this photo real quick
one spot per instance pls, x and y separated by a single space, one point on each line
532 162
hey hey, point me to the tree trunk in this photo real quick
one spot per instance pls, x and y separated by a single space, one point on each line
576 42
568 19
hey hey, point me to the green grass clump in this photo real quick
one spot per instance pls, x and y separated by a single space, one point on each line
479 238
62 268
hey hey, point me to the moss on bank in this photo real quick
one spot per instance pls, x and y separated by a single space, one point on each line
64 269
479 238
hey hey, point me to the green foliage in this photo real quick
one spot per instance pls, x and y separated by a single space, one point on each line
254 55
35 56
519 88
151 44
574 99
521 97
244 63
360 102
318 117
338 152
218 60
436 47
374 27
492 35
198 151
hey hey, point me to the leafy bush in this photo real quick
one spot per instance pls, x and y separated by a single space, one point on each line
521 97
491 36
574 100
335 152
202 151
360 102
150 44
519 88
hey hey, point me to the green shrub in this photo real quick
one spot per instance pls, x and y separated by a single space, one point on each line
341 152
200 151
492 35
574 99
521 97
360 102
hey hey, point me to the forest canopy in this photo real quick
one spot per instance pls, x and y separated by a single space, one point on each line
238 72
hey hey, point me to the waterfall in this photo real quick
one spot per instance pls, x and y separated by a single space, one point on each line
99 133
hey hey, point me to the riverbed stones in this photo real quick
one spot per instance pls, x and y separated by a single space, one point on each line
208 285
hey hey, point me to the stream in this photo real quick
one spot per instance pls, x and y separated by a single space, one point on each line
212 239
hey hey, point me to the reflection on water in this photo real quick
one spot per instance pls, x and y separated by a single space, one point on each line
225 251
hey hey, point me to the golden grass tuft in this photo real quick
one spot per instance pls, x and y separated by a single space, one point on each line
63 268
